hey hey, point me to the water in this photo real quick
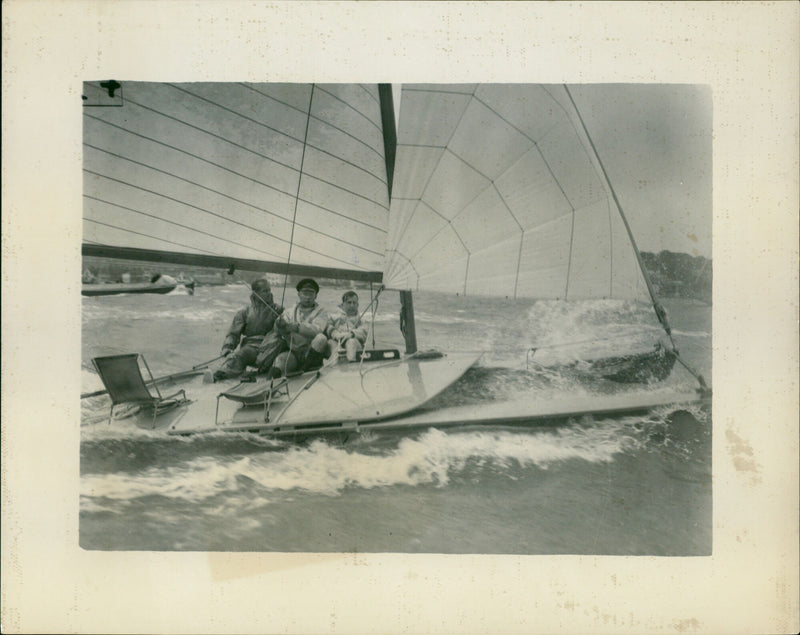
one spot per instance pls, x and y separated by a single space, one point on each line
635 485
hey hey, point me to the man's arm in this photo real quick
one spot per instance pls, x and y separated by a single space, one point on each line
312 328
360 331
337 328
234 332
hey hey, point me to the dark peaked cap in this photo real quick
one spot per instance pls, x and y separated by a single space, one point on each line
308 282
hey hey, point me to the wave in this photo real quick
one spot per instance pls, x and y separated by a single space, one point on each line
92 314
681 333
431 458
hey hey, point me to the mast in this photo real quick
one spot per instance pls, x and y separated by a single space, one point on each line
389 132
661 314
407 326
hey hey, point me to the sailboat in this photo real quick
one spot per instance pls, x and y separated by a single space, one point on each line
485 190
115 288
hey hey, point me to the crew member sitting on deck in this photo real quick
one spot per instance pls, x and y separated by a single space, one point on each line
346 329
303 330
252 331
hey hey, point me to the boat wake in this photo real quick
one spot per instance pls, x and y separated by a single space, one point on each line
203 468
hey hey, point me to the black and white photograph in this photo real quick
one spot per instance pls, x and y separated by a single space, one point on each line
429 324
400 317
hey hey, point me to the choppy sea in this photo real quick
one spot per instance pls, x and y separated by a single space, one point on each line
624 486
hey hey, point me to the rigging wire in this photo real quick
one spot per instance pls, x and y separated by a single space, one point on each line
373 314
374 304
297 194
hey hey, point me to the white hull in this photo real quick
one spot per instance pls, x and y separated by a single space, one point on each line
342 394
386 395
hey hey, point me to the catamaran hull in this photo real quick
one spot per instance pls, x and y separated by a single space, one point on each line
341 393
493 416
646 367
382 396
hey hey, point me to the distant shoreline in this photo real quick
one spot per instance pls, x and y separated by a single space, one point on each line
673 274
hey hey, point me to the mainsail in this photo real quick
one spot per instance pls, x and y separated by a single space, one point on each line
206 173
497 191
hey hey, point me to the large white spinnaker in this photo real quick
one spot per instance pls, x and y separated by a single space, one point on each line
497 192
262 174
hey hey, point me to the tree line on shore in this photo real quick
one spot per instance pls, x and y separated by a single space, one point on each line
679 275
674 275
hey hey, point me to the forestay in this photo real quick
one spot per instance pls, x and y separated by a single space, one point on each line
266 172
497 191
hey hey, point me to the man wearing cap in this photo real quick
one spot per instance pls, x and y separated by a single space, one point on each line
303 330
252 331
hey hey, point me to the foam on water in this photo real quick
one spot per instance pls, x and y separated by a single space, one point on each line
451 318
701 334
92 313
194 481
589 329
432 458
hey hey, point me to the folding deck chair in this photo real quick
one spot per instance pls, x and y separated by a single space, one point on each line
122 377
255 394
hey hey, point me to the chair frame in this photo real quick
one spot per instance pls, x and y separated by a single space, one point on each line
279 387
160 403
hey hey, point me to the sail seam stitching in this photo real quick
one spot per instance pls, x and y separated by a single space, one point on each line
258 123
299 110
263 125
211 213
199 231
169 242
354 109
244 176
239 174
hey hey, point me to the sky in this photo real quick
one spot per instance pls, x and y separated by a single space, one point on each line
655 143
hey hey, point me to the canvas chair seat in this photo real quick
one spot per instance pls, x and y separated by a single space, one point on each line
122 378
255 394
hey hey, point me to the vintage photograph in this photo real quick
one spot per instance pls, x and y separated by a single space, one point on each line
396 318
400 317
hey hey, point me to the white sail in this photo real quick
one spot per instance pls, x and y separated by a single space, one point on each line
497 191
269 172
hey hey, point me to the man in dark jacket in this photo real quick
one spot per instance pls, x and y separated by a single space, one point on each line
252 331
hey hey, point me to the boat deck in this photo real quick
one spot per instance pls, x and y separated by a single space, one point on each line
342 394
